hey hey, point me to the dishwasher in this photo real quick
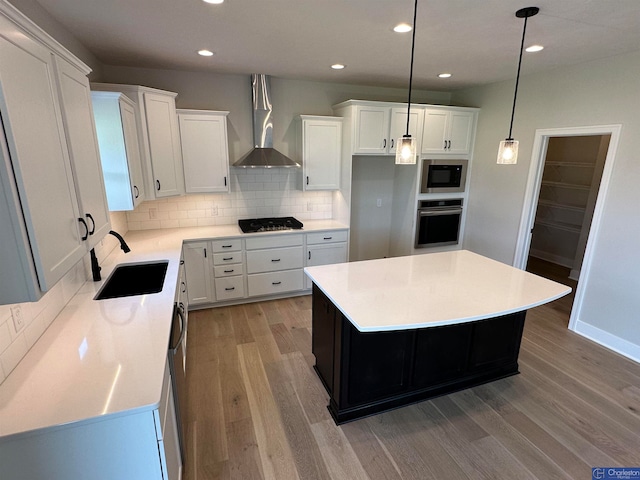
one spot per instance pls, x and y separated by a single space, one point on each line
178 358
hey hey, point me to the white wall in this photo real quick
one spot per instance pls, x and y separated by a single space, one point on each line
594 93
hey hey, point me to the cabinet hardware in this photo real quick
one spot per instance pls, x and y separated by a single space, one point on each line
229 289
225 181
445 144
181 262
449 145
226 259
93 223
384 143
309 254
307 179
136 193
205 252
86 229
392 143
276 283
158 185
184 287
227 246
230 271
275 259
327 238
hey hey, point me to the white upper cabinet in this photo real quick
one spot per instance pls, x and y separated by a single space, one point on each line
320 149
77 114
378 126
48 165
115 119
205 152
448 130
159 137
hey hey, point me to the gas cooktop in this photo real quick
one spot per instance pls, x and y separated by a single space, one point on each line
269 224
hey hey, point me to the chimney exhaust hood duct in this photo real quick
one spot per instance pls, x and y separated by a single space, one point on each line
263 155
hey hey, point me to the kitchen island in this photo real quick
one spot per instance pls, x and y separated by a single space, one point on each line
395 331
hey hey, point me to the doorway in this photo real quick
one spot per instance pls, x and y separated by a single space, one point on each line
566 189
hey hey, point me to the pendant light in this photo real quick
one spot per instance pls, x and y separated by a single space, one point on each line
508 151
407 146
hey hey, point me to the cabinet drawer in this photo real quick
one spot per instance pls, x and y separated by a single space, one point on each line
274 259
228 270
326 237
288 240
231 245
230 287
275 282
226 258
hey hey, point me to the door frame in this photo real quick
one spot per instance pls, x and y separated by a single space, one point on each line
532 192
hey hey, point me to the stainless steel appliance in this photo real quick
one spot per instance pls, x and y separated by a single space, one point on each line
438 222
178 357
443 176
269 224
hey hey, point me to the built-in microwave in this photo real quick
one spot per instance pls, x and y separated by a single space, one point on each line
442 176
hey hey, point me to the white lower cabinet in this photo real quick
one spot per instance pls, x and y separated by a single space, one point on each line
273 283
274 264
142 445
197 263
325 248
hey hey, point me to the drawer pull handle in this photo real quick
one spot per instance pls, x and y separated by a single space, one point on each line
184 287
227 246
276 283
275 259
230 289
158 185
227 259
230 271
327 238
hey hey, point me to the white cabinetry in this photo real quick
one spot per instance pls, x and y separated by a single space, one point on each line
320 148
115 119
378 125
141 445
205 153
52 195
448 130
197 259
274 264
159 136
325 248
228 268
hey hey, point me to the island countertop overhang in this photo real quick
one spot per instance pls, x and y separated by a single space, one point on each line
430 290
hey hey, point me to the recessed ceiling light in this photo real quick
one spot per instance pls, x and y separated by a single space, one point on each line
402 28
337 66
205 53
534 48
213 1
444 75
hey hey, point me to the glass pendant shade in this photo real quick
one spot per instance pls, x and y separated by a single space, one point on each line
406 151
508 152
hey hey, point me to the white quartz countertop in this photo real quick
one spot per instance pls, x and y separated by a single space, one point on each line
107 357
430 290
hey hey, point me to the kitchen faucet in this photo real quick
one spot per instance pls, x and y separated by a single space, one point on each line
95 267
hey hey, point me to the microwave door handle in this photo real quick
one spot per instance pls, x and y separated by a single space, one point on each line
433 213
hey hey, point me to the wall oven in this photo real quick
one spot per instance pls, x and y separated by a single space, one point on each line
438 222
442 176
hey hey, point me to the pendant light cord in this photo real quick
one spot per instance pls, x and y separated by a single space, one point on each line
413 45
515 94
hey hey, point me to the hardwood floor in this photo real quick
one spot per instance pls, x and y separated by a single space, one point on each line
257 410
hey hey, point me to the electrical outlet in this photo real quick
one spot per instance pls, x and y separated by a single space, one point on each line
214 211
153 213
18 318
379 202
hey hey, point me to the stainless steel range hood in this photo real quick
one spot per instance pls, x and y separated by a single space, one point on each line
263 155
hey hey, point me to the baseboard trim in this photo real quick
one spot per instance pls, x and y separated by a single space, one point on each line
608 340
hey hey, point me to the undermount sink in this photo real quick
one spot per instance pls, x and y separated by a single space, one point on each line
130 279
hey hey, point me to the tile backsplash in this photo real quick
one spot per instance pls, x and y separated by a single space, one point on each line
37 316
253 193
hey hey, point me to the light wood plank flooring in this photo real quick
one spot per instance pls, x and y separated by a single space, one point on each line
257 410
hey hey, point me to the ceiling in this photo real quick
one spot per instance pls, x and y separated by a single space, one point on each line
477 41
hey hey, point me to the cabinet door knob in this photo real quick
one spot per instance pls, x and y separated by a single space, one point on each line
136 192
86 229
93 223
158 185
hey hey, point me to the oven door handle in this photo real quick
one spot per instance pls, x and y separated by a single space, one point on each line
433 213
180 312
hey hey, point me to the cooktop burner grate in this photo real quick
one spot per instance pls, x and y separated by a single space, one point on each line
269 224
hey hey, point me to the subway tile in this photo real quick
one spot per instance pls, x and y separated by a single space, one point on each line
5 336
13 354
187 206
150 224
195 213
188 222
178 214
206 222
174 223
33 332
